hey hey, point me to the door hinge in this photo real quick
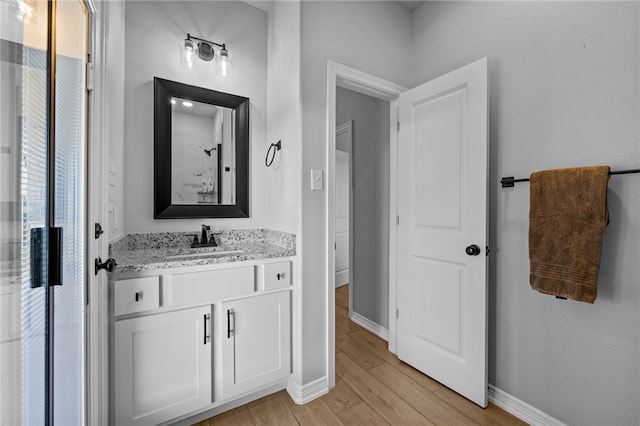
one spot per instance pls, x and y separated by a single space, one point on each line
398 220
398 126
486 250
98 230
397 313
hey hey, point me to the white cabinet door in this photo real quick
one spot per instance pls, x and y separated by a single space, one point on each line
255 342
162 366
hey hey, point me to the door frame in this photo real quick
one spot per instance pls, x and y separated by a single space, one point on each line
339 75
99 134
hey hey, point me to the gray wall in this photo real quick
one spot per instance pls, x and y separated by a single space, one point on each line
153 33
564 81
379 44
370 209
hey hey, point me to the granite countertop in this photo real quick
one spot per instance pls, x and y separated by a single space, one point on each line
162 250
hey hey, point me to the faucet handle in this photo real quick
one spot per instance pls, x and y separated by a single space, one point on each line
195 239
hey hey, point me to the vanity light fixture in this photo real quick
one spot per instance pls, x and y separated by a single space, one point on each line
204 49
187 104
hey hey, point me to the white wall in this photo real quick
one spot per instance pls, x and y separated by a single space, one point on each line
114 115
370 233
564 79
373 37
284 122
154 31
284 118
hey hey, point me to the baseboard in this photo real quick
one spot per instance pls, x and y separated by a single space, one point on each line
309 392
342 278
521 409
366 323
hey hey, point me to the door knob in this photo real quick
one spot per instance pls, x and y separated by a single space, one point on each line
109 265
473 250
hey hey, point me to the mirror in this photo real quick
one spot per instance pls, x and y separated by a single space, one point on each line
200 152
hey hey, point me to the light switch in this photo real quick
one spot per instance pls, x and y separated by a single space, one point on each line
316 180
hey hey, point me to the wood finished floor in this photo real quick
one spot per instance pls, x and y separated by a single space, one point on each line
372 388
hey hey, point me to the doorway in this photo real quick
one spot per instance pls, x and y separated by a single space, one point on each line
444 131
345 77
368 198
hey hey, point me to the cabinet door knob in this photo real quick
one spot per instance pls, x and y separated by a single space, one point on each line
138 296
279 276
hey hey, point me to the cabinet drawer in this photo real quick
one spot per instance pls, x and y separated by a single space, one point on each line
136 295
276 275
201 286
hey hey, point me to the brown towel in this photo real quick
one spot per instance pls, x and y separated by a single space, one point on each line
567 217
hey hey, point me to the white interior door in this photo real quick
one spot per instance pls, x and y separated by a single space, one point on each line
442 232
342 217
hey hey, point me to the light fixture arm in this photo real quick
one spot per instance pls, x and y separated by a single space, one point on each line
190 37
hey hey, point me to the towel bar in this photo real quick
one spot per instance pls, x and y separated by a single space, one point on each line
509 182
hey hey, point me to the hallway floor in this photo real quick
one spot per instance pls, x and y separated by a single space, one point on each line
372 388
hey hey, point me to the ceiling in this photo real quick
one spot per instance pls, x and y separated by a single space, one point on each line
410 5
267 5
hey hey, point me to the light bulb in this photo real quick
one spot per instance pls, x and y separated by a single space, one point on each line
187 53
223 65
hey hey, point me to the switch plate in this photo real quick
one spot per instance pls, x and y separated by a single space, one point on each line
317 183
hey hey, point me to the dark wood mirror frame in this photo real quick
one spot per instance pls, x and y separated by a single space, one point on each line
164 90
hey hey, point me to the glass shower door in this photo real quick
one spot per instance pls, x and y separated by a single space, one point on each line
43 49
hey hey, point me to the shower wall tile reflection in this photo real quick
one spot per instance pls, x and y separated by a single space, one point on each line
201 133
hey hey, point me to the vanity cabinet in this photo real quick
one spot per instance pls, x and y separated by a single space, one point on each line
162 366
189 339
255 342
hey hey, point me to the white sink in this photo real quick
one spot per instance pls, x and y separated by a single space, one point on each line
210 253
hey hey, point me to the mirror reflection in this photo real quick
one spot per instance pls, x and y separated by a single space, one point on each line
202 153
